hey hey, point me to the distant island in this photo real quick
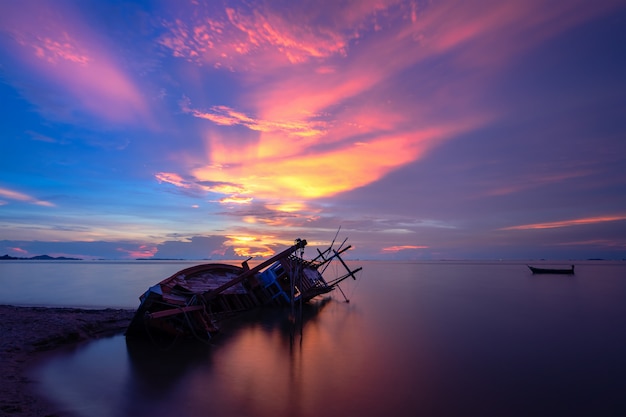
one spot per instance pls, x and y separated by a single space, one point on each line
38 258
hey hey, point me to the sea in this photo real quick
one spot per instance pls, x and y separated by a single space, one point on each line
432 338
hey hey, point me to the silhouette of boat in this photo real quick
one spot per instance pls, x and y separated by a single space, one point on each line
194 300
561 271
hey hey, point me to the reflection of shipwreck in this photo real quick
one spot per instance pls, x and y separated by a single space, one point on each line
192 301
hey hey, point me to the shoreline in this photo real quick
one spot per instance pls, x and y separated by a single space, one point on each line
28 333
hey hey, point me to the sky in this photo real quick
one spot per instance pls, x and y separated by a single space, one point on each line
418 130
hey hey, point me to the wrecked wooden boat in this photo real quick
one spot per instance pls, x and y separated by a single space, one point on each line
193 301
560 271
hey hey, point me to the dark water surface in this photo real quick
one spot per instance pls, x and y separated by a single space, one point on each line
417 339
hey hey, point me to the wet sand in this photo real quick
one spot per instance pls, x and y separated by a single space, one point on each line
27 333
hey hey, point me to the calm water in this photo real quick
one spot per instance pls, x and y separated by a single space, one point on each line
417 339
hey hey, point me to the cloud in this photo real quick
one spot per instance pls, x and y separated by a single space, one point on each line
173 178
204 186
322 132
225 116
403 247
271 215
257 36
44 138
252 246
374 115
142 252
235 200
18 196
53 43
568 223
306 170
18 250
217 247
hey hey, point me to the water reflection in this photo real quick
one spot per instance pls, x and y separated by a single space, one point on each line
419 339
264 365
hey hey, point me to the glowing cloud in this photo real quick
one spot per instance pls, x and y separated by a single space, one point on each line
236 200
358 140
302 171
567 223
402 247
288 207
251 246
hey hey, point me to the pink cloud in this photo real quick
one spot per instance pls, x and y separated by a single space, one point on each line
596 242
172 178
64 49
332 116
56 45
568 223
18 196
19 250
262 37
226 116
177 180
534 180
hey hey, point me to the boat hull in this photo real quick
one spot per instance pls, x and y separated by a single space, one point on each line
193 301
557 271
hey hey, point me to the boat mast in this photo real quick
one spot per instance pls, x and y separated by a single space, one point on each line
300 243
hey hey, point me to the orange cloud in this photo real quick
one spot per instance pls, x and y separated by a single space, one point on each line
402 247
271 170
332 126
260 246
567 223
288 207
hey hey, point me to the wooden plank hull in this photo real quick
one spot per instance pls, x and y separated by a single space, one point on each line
192 302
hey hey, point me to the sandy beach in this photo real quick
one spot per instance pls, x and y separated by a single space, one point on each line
28 333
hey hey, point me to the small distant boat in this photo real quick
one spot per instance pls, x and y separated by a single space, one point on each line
562 271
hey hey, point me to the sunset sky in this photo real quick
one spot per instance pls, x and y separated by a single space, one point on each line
219 129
